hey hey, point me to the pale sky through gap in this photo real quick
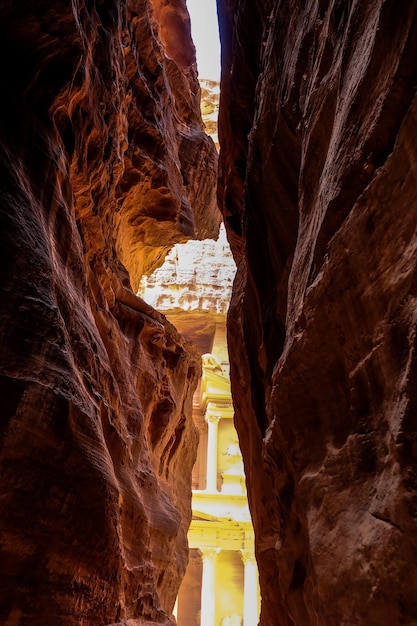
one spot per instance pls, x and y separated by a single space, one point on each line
205 33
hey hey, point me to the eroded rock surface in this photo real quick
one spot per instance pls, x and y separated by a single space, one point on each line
318 172
210 96
100 129
193 289
195 276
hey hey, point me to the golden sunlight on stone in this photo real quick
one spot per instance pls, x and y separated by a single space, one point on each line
210 96
220 586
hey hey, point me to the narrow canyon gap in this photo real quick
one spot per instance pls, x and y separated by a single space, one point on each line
104 165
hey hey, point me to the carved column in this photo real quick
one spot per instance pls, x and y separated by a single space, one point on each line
211 478
208 586
250 589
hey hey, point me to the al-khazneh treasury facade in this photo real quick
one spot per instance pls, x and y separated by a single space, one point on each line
220 587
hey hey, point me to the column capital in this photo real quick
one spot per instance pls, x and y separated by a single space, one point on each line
247 556
209 553
213 418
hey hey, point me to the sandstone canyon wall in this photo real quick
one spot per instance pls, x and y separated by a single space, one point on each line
317 184
104 165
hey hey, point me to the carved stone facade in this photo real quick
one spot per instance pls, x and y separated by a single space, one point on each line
222 564
221 582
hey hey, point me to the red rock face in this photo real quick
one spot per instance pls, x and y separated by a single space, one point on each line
317 184
99 128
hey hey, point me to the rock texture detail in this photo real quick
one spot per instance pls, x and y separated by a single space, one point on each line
210 96
195 276
104 165
193 289
318 172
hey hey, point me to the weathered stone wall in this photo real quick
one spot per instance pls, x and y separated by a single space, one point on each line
195 276
318 173
99 131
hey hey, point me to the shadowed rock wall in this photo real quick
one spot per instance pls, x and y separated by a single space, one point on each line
317 181
100 130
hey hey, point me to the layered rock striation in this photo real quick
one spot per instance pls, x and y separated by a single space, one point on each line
317 179
100 130
195 276
193 289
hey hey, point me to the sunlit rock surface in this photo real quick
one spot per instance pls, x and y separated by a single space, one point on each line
197 275
193 288
104 165
318 173
210 97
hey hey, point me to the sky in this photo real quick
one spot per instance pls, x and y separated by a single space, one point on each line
205 33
